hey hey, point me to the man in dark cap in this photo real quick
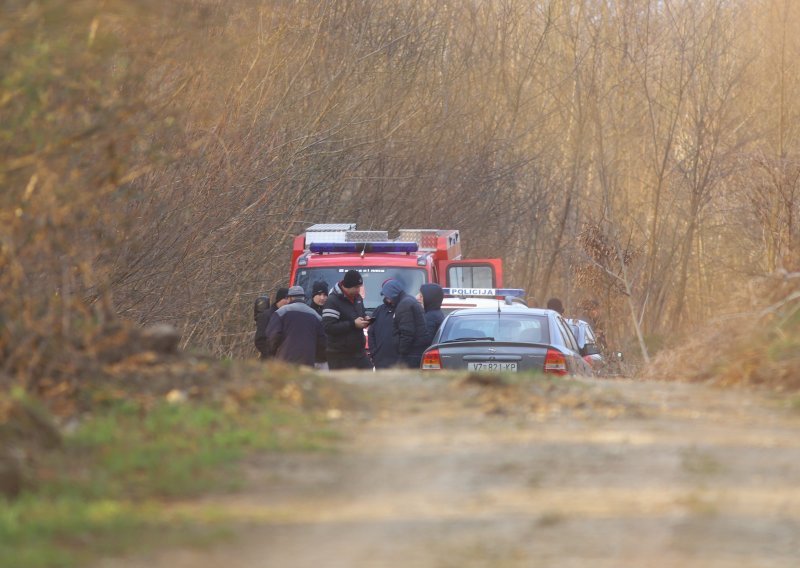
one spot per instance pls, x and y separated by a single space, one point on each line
295 331
344 320
262 344
319 294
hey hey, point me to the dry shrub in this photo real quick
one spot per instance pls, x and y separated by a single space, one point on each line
127 364
758 344
75 130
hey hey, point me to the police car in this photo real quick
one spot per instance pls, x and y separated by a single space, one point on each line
505 336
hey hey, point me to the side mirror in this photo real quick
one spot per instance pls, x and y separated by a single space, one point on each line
591 349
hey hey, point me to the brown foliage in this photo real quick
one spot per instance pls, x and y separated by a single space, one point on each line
759 344
159 157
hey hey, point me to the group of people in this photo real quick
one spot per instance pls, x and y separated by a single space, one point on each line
327 330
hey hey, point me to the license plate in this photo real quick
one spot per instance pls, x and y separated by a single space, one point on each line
497 366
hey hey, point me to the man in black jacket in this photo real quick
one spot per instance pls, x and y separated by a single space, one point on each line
262 321
409 324
344 320
382 347
295 331
432 298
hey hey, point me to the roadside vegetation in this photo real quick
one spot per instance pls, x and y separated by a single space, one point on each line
94 470
109 486
757 343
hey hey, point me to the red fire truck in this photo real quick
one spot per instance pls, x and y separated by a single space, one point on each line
414 257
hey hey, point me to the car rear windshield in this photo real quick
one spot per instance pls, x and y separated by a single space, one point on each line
516 328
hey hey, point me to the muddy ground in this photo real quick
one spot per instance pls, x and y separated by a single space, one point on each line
443 473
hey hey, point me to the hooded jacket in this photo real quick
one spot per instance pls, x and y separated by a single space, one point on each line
262 322
380 335
409 320
432 298
338 318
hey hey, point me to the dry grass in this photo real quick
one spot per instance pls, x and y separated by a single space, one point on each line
757 345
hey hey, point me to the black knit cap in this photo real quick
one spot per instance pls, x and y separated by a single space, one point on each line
319 287
352 278
281 294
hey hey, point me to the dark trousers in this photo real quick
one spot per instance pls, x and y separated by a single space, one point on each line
412 360
359 361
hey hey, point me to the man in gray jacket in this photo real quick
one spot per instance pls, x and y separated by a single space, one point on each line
295 331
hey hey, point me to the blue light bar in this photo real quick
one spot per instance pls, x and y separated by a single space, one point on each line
398 246
484 292
332 247
406 247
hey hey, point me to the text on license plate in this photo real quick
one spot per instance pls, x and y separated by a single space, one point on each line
492 366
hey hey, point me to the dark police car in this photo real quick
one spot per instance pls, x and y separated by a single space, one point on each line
505 338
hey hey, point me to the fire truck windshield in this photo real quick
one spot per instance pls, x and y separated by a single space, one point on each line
374 277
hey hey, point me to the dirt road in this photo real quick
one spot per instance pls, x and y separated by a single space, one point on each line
441 473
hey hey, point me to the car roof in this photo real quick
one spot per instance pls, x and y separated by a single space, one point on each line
459 302
455 302
503 308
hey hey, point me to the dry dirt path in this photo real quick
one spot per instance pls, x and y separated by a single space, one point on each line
603 474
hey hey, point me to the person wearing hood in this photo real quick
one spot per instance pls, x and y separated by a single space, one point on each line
344 320
432 298
262 321
409 324
380 336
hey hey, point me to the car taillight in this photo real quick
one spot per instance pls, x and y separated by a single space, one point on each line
555 362
431 361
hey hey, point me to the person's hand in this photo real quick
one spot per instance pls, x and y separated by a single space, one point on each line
361 323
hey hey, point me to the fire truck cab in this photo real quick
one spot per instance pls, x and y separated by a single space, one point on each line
414 257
